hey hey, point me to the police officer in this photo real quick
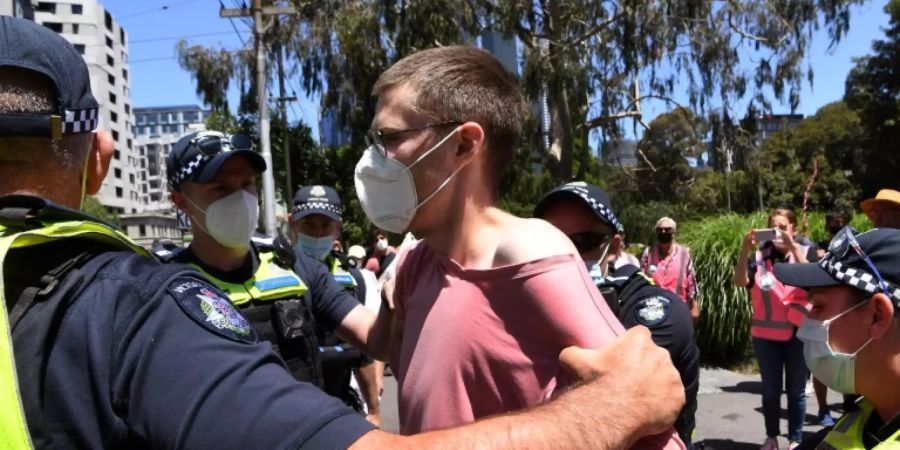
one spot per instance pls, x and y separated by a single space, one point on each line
584 213
315 225
285 294
851 337
103 347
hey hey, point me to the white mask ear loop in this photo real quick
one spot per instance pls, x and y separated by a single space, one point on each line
201 210
440 143
827 324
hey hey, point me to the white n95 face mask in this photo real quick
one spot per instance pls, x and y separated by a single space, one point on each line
835 370
386 190
231 220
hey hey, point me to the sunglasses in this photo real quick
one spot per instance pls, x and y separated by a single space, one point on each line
211 144
378 137
846 239
588 240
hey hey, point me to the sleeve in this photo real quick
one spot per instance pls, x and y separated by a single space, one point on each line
751 272
183 377
812 254
330 301
692 288
361 286
562 300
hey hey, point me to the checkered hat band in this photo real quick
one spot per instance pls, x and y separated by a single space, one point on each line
317 206
857 278
599 207
187 170
80 120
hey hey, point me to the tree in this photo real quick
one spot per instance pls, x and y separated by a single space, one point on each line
670 139
587 55
93 207
833 138
873 91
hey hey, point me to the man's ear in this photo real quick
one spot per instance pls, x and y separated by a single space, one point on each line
616 244
179 201
471 137
102 149
883 319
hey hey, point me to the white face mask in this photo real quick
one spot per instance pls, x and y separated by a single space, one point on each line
835 370
381 245
386 189
231 220
318 247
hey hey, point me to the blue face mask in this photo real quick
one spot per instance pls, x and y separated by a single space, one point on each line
318 247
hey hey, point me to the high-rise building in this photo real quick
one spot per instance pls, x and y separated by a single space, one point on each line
104 46
766 125
157 130
17 8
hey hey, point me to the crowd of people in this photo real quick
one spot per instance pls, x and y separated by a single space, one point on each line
502 332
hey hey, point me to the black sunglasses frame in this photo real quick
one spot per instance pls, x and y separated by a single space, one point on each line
587 241
211 145
376 137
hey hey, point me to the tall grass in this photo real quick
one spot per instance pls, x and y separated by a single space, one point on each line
723 333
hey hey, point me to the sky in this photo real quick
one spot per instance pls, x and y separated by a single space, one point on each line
154 27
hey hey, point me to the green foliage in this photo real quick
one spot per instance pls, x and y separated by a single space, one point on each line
873 90
723 333
212 69
93 207
666 145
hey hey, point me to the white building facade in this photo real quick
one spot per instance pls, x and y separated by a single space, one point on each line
104 45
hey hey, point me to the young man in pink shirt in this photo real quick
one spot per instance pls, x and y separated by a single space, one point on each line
486 301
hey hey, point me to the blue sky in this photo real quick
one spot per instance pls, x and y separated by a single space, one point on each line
158 80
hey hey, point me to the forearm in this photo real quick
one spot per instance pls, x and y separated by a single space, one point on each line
741 278
379 339
367 377
561 423
799 254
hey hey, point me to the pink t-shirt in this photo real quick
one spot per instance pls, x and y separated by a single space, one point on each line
484 342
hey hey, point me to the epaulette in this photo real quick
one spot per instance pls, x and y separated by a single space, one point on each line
27 211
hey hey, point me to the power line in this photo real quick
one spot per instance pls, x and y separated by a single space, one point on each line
231 21
170 38
157 9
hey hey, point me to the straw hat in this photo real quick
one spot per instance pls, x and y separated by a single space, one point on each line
884 195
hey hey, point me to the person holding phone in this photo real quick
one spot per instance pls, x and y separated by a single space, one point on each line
777 312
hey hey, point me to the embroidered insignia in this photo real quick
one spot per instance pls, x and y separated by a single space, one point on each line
317 191
652 311
208 307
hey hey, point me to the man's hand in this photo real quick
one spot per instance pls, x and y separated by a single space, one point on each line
635 365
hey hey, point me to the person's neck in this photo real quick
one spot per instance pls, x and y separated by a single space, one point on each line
665 249
885 401
471 224
215 255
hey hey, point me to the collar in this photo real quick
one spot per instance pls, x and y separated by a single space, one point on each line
238 276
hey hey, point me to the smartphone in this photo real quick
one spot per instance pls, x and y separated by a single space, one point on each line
765 234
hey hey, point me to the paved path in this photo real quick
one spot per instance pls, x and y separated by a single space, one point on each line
729 412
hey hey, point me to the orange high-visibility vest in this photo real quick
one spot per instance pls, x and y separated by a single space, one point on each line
781 308
670 275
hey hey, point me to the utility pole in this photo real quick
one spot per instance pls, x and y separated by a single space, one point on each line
282 100
259 12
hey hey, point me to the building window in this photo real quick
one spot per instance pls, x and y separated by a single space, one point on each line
117 155
119 192
131 179
125 74
111 78
142 230
110 61
112 98
113 117
77 9
74 28
115 135
109 42
80 48
49 7
57 27
108 19
117 172
127 108
128 143
122 36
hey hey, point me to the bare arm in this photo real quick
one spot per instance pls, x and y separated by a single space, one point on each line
741 278
634 391
369 378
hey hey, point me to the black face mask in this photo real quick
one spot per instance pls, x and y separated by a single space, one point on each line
664 238
833 229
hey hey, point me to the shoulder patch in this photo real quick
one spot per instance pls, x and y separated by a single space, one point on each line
211 309
652 311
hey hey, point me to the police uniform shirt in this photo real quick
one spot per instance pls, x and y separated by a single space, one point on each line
874 433
330 301
667 317
135 365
